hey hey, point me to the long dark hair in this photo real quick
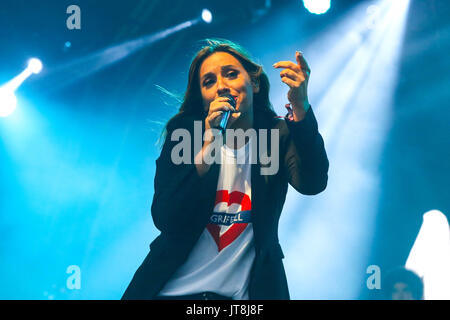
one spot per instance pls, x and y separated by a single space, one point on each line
192 104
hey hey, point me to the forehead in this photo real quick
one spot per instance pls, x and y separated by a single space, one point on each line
218 59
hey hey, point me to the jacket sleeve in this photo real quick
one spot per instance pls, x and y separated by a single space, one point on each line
305 159
179 190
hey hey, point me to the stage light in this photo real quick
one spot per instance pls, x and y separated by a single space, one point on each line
8 102
35 65
430 255
84 66
206 15
317 6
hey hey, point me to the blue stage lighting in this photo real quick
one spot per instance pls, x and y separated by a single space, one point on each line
206 15
8 102
35 65
317 6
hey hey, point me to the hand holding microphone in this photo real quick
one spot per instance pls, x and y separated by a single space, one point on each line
220 112
218 117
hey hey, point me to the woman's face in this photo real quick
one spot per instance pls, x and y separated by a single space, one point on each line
220 73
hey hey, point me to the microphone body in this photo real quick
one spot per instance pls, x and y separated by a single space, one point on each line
226 114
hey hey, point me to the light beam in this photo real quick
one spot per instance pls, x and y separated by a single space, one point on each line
353 112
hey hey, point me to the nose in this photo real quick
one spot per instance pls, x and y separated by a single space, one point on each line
222 86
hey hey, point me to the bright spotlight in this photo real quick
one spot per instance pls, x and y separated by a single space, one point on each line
8 102
317 6
430 255
206 15
35 65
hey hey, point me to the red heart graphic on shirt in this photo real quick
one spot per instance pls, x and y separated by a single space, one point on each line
236 229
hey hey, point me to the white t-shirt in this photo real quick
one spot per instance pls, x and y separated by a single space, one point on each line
221 260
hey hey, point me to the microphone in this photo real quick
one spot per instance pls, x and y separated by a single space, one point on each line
226 114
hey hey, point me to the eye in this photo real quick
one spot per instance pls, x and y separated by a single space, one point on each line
207 82
232 74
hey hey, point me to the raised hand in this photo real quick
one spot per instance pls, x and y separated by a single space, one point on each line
296 76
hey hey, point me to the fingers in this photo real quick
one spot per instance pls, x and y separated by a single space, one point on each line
302 63
299 77
221 103
233 118
300 67
287 64
216 110
215 118
296 76
291 83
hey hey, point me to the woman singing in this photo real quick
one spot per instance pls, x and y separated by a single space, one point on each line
219 220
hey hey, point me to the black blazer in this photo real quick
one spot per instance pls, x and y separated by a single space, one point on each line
183 202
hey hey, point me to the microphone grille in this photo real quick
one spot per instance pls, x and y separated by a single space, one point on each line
230 97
